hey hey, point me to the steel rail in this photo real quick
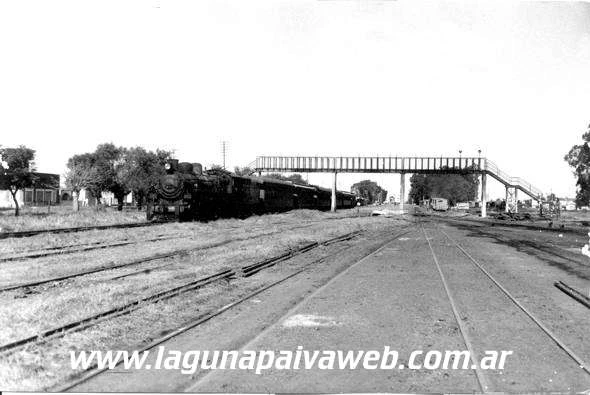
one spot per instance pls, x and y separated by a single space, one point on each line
127 239
84 248
505 224
34 232
162 295
481 380
544 328
574 293
251 269
94 371
28 233
256 267
113 313
171 254
35 283
548 249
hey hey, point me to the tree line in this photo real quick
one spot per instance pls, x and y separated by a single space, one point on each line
453 187
115 169
108 168
578 158
369 191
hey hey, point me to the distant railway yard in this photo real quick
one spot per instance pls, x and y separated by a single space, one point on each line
335 281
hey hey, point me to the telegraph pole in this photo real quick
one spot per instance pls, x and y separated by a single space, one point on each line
224 151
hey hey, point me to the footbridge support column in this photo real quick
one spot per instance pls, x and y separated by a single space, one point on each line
511 199
483 196
507 208
333 205
402 190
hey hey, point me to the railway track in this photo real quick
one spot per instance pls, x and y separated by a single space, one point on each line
192 285
550 250
514 224
482 379
59 247
84 247
71 249
252 269
28 233
172 254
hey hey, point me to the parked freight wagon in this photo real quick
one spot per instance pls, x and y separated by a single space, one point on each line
439 204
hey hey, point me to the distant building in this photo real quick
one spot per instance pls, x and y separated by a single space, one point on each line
462 205
44 190
108 198
567 204
86 199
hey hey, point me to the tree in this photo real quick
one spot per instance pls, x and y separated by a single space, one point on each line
215 167
140 170
294 178
454 187
419 188
578 158
16 166
108 159
80 174
97 172
243 171
369 191
116 169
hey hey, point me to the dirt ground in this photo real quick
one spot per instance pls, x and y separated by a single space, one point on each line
204 249
394 298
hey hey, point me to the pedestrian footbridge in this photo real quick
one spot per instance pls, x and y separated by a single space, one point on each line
397 164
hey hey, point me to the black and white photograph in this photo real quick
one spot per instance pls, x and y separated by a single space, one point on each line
294 196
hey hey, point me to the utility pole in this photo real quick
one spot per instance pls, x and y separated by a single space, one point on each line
224 151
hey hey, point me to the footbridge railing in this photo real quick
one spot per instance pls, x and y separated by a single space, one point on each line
516 182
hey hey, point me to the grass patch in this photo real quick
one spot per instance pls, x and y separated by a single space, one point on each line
37 218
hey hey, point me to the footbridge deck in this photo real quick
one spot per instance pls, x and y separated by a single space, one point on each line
395 164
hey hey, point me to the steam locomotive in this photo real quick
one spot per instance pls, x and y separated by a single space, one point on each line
185 192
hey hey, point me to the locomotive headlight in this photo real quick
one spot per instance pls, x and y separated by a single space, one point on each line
167 166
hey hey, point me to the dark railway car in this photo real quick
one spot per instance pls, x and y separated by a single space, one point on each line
346 199
185 192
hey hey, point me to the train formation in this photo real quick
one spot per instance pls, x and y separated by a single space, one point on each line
185 192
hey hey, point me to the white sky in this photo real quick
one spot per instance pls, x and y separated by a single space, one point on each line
362 77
